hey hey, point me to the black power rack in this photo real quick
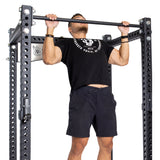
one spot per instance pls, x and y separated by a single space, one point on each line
22 34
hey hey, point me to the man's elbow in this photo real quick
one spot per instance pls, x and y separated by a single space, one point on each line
48 61
124 62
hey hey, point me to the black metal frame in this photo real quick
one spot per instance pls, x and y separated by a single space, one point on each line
22 34
25 83
146 45
13 99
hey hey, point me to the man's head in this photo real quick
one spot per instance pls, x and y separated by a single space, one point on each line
77 28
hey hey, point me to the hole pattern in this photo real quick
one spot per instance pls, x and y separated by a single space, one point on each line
25 82
132 36
37 39
109 67
12 102
147 90
110 74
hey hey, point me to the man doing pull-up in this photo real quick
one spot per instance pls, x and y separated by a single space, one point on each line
91 98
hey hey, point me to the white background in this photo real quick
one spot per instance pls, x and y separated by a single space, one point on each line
50 85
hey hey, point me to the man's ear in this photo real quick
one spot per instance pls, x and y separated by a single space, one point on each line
69 29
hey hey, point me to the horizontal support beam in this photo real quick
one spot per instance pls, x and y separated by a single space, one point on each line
37 44
14 38
131 37
84 21
40 39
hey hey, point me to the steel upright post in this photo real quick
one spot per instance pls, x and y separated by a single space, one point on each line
25 83
146 86
108 38
13 100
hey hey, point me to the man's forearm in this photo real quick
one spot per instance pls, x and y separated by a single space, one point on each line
48 48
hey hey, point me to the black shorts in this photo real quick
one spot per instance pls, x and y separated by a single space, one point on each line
92 106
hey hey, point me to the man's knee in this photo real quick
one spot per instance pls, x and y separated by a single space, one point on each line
105 144
78 145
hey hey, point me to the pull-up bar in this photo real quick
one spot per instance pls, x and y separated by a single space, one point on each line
85 21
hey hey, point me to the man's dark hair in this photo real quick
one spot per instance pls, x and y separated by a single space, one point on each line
75 15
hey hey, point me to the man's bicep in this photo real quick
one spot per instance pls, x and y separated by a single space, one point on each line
114 57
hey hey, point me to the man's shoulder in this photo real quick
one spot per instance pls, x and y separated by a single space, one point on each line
61 41
64 39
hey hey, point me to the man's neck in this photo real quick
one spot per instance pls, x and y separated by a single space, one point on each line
79 35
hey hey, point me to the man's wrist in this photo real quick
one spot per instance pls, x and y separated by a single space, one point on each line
124 34
50 30
124 38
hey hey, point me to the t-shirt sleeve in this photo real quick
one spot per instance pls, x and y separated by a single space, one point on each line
62 44
108 49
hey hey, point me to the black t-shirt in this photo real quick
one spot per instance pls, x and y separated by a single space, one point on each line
86 61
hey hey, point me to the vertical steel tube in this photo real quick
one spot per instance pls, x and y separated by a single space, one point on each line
25 84
146 46
13 100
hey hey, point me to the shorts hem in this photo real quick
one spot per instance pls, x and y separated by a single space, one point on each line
78 136
107 135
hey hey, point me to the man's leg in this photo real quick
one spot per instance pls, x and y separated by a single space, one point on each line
105 148
78 145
